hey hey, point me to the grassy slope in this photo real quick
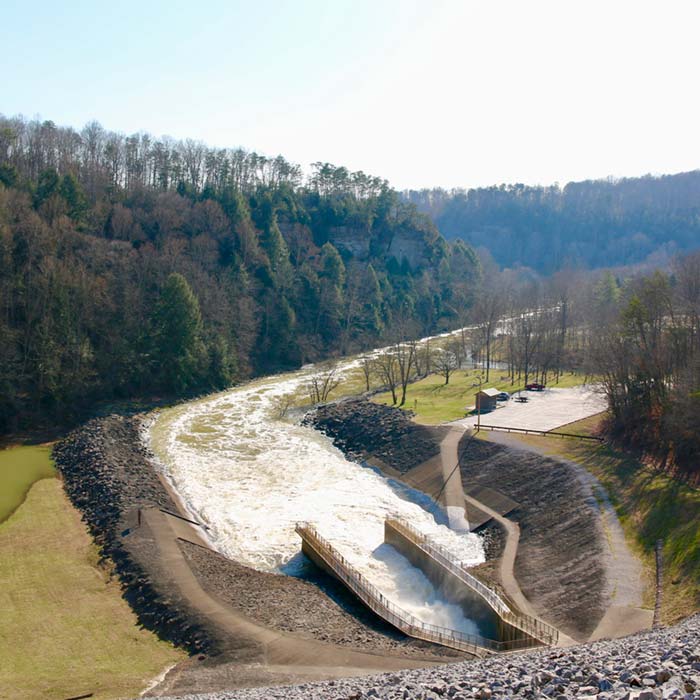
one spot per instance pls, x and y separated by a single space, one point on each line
20 467
651 506
435 402
65 628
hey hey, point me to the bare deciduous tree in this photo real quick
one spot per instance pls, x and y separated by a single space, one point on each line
386 367
405 354
322 383
367 365
445 363
488 310
423 357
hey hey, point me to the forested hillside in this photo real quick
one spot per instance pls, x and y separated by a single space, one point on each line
597 223
134 267
645 347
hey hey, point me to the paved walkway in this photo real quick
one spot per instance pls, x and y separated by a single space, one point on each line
507 568
450 456
453 491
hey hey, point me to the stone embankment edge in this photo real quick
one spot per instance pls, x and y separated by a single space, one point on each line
107 501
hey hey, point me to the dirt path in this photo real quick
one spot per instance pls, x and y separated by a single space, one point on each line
277 656
624 571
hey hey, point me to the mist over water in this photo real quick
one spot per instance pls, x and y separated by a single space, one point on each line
251 477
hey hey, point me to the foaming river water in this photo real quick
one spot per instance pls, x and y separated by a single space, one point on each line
251 477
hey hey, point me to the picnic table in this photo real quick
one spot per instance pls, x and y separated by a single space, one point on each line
521 399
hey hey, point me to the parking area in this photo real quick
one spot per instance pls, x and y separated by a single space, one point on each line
544 410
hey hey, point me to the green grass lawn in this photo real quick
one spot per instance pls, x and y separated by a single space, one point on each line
66 630
435 402
20 467
651 506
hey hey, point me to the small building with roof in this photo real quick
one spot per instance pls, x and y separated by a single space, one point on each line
487 400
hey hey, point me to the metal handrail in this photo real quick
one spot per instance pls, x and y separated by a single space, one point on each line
374 599
536 628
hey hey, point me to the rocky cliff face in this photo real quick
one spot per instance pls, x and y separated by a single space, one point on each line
405 244
354 241
413 241
409 245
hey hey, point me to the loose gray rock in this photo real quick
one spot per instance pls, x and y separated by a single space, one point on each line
607 669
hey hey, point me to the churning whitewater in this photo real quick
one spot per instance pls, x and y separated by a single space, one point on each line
250 477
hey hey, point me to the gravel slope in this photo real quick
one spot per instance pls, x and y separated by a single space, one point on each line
320 608
560 565
662 663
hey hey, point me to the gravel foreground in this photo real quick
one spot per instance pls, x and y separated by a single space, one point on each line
663 663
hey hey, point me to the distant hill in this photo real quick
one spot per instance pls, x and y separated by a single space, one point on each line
591 224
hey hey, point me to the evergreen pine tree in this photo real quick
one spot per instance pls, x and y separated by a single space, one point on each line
178 343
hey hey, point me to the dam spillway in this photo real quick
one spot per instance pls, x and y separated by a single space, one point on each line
500 628
251 476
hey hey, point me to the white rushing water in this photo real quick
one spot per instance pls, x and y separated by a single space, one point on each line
251 477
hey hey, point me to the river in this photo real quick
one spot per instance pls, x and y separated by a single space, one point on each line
251 476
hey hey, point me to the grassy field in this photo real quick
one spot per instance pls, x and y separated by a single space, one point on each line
435 402
20 467
65 629
650 506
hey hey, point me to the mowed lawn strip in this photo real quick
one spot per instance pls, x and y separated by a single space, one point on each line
435 402
65 629
651 506
20 467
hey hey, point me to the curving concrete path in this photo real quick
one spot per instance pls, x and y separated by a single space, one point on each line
452 489
449 452
626 581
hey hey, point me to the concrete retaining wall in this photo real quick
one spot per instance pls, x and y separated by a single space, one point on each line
310 552
475 608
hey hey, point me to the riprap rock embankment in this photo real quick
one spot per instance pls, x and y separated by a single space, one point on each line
662 663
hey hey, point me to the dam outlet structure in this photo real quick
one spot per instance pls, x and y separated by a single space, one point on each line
501 629
497 618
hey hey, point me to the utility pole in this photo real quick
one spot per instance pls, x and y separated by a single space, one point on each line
478 406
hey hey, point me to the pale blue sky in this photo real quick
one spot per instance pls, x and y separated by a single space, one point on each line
433 93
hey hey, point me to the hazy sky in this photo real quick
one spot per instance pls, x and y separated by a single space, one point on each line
431 93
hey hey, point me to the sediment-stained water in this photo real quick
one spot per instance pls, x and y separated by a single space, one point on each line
251 477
